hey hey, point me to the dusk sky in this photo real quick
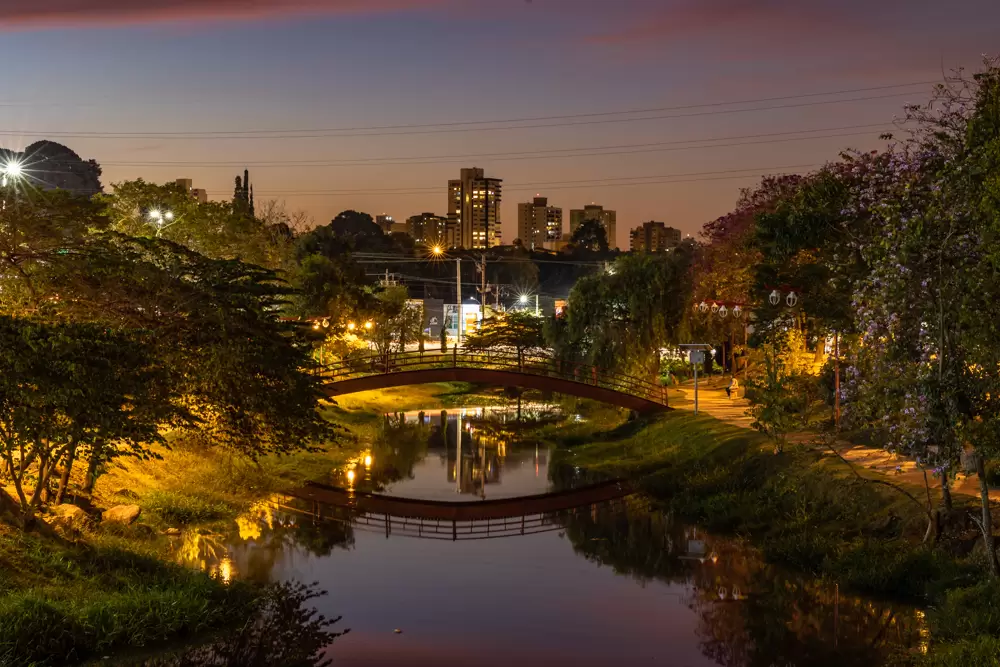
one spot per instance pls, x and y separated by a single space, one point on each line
304 78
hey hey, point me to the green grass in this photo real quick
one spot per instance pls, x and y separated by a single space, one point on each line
180 508
64 603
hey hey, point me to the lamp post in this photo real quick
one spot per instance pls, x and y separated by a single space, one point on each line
697 354
162 219
12 172
438 251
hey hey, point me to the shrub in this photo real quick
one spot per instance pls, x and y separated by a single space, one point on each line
968 611
979 652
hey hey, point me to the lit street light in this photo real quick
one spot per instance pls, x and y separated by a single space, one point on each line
162 219
12 171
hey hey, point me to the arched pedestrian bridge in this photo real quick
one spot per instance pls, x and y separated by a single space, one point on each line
505 370
430 519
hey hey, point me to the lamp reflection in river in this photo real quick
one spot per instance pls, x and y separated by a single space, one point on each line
368 461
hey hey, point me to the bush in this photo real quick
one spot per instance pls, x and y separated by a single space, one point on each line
978 652
183 508
967 612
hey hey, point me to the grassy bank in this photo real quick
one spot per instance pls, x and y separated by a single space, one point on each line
805 510
104 589
61 603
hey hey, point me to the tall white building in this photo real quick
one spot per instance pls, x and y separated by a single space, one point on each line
538 223
474 202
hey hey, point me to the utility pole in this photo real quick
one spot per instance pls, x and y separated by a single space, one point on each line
458 298
836 379
536 304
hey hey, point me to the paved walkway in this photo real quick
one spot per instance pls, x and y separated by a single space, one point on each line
712 400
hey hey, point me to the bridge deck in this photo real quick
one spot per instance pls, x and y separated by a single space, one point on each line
483 510
541 373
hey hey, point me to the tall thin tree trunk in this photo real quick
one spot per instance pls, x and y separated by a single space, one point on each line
945 492
66 472
95 461
987 520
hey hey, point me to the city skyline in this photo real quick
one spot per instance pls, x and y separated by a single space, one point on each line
292 82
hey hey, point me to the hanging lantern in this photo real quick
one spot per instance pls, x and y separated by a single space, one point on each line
723 312
715 307
792 299
737 312
775 297
703 307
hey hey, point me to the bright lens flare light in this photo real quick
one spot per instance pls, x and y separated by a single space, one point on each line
437 250
13 169
523 298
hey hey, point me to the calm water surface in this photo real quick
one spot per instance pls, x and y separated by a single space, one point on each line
610 584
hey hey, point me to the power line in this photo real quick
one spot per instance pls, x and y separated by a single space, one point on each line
521 155
313 134
551 185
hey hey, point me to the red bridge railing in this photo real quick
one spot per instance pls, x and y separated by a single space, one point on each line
352 368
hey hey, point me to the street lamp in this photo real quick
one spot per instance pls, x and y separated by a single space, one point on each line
368 326
351 326
12 171
437 250
162 219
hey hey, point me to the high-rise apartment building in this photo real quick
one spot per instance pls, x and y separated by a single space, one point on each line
428 228
607 217
654 237
538 223
385 223
474 201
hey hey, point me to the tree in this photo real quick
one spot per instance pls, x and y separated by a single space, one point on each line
67 386
394 321
220 230
591 235
622 318
356 225
519 331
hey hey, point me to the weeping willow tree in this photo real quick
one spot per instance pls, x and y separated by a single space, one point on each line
620 319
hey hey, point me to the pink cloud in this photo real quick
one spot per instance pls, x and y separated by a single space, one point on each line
57 13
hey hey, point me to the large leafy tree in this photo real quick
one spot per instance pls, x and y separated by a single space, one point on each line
241 375
221 230
724 266
517 331
926 371
622 318
69 386
591 235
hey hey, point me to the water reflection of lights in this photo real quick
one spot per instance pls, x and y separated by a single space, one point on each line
923 631
350 476
368 460
226 569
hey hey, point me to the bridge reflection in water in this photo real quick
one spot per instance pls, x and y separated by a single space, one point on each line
427 519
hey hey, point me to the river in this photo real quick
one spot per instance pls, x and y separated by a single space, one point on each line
613 583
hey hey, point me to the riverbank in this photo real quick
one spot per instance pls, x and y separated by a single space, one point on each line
804 509
100 588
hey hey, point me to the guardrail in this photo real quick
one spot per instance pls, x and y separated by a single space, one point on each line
500 361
